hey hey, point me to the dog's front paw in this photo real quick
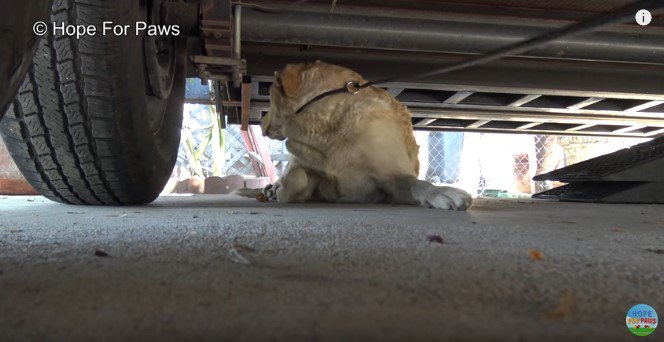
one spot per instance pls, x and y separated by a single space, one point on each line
270 191
449 198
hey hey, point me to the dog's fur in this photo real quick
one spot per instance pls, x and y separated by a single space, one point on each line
347 147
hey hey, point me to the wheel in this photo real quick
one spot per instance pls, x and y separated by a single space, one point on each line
18 43
97 120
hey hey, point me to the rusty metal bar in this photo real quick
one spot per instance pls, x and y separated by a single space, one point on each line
246 103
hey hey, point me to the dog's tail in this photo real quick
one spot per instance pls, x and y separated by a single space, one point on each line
246 192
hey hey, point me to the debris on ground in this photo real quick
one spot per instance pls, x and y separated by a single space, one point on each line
101 254
254 213
244 248
568 222
75 213
14 230
123 215
656 251
618 230
436 239
237 257
562 310
535 254
262 197
195 216
31 199
661 222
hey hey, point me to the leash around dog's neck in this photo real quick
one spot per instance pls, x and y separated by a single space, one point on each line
604 19
351 87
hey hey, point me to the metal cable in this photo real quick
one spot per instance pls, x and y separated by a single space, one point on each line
601 20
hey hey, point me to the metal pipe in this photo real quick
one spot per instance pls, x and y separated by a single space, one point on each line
597 22
463 37
532 76
185 15
237 32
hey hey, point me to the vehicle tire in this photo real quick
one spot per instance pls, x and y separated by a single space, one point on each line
18 43
87 126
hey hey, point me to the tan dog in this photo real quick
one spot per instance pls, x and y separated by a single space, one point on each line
347 147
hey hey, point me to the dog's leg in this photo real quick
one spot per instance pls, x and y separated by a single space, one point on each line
410 190
297 185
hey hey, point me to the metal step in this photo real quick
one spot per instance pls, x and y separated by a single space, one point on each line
607 192
639 163
632 175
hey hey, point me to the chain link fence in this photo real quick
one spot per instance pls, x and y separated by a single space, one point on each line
483 163
208 150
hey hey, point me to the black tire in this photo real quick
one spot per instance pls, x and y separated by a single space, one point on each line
85 127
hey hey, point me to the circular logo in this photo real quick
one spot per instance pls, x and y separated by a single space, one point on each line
641 320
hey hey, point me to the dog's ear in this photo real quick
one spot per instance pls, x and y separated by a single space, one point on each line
292 79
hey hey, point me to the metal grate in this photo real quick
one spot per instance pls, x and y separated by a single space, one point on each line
586 191
448 108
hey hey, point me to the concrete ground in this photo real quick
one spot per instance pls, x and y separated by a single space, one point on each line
232 269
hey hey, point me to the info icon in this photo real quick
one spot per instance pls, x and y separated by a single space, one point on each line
641 320
643 17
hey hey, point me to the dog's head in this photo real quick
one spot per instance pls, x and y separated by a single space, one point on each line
294 86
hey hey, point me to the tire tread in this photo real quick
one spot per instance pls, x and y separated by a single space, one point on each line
63 156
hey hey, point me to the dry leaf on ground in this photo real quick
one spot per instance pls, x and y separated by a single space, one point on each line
535 254
101 254
436 239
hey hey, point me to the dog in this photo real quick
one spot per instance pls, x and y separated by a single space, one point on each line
345 147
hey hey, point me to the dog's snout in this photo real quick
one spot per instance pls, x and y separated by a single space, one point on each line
271 131
265 129
265 124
